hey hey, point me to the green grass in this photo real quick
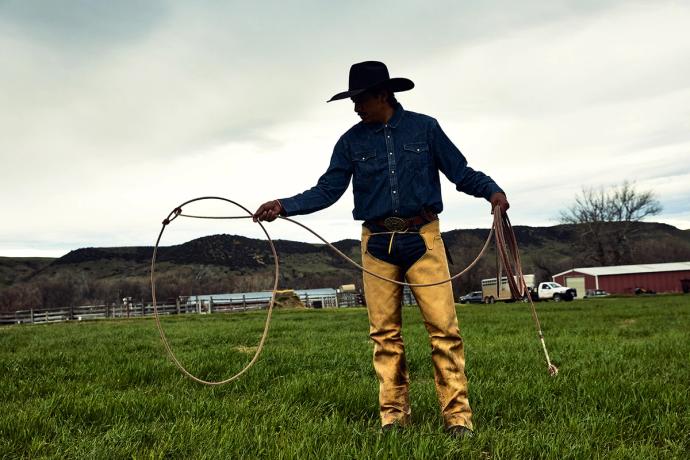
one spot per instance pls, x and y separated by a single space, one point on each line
105 389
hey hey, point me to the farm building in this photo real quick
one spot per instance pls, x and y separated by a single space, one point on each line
624 279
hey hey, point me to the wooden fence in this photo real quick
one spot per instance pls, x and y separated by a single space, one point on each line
133 310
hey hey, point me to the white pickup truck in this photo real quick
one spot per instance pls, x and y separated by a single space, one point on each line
553 291
493 291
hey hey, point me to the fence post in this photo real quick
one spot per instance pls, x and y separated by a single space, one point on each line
177 304
32 316
306 299
244 303
210 305
71 312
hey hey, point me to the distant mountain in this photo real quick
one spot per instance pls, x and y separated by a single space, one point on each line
16 269
219 263
222 253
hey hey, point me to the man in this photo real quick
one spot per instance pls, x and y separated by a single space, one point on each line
394 157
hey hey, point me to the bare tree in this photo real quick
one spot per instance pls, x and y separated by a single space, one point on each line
607 220
20 297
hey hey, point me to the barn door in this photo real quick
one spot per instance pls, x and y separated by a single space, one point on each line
577 282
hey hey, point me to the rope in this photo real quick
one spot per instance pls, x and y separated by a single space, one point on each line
510 258
174 214
506 248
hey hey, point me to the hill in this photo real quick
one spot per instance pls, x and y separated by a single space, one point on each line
222 263
17 269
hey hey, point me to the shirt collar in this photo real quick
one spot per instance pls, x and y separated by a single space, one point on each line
394 121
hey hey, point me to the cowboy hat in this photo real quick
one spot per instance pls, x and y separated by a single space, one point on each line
369 75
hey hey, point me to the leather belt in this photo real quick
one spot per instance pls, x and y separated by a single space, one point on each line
400 224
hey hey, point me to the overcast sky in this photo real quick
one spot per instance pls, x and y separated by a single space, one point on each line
113 113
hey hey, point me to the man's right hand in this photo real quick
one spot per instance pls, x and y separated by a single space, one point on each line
268 211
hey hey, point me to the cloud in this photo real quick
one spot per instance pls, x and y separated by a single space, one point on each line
114 113
577 102
122 79
82 26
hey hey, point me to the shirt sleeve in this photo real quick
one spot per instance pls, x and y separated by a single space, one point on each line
329 188
453 165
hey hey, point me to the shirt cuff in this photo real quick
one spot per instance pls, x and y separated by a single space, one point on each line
493 189
289 206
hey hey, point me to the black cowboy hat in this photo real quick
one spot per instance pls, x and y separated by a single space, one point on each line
369 75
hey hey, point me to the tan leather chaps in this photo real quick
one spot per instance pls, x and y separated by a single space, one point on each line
437 306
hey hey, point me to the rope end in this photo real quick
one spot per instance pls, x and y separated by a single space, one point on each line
553 370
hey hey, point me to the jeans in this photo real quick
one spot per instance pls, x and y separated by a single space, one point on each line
404 249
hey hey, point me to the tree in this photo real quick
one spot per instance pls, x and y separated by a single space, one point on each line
607 218
20 297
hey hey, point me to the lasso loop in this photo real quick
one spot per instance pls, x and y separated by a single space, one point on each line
172 216
506 248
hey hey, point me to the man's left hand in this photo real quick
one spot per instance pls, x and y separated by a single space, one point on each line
499 199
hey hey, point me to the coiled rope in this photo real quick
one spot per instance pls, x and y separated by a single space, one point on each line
506 248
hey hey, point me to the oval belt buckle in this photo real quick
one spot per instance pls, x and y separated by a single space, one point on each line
395 224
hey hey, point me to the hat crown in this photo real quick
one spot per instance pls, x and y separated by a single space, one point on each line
367 74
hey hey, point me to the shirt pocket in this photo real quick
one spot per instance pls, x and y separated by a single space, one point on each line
418 148
418 152
364 162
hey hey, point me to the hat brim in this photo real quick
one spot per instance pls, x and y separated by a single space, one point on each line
396 85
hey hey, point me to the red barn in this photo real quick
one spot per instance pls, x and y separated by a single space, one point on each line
624 279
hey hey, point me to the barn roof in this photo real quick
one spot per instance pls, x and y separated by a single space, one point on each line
630 269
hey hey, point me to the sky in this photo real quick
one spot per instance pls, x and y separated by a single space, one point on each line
114 113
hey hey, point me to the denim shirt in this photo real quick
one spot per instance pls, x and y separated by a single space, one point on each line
394 168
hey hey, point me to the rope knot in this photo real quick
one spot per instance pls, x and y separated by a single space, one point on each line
175 213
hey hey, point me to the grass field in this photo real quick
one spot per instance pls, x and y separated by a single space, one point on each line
105 389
